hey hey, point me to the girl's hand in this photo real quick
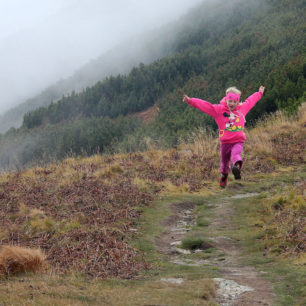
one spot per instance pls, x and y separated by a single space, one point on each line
185 98
261 89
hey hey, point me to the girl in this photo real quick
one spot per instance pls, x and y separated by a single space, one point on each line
230 118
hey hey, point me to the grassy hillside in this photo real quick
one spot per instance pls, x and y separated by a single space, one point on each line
218 45
96 218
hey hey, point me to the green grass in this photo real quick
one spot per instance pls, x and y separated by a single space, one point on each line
150 226
289 279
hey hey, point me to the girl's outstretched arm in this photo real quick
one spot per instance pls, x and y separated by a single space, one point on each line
202 105
252 100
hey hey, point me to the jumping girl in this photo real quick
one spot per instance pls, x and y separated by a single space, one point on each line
230 118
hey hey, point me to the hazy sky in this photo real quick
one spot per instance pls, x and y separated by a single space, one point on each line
42 41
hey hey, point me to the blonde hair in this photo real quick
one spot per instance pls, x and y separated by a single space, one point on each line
234 90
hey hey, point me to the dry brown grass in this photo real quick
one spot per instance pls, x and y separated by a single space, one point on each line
279 121
302 114
259 142
283 222
75 200
15 260
202 143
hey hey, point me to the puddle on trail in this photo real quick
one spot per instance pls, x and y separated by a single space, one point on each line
191 263
177 281
245 195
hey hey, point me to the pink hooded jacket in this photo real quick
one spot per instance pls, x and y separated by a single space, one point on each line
230 123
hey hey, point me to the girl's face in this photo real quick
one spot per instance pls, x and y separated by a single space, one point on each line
232 104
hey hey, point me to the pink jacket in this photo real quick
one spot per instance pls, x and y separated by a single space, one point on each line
231 124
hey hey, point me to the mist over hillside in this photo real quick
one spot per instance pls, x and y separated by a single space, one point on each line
52 60
120 60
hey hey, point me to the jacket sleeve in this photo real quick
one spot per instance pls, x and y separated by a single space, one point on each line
203 106
250 102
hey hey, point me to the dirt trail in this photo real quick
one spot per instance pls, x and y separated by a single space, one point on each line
176 224
239 285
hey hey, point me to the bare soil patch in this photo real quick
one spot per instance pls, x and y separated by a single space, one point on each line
175 226
149 114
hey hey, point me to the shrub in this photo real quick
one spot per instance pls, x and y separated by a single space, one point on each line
194 242
15 260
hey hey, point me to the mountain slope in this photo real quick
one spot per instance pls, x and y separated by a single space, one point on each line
218 45
248 52
141 49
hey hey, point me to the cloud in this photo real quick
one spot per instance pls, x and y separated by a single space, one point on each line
44 41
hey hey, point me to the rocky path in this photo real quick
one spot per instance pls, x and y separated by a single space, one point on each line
239 285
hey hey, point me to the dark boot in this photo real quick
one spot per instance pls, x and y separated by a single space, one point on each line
236 169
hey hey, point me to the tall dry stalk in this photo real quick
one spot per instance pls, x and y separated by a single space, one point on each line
302 114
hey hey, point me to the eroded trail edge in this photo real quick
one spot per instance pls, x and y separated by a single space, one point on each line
238 284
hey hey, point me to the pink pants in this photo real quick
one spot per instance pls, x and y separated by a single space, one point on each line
229 150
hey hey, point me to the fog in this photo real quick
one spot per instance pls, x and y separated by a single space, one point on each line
44 41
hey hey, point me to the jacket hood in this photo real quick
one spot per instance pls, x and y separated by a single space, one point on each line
223 101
